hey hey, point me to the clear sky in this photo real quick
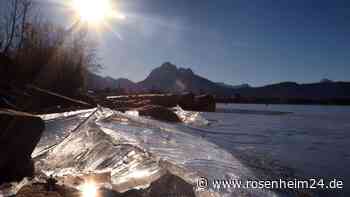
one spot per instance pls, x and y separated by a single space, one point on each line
232 41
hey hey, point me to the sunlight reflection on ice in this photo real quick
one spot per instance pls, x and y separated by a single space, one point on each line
133 153
89 189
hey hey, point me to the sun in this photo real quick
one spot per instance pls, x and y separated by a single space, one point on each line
93 11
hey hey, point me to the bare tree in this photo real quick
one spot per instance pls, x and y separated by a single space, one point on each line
26 6
11 22
58 60
15 15
45 54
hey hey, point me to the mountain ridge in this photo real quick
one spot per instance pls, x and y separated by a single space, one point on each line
97 83
172 79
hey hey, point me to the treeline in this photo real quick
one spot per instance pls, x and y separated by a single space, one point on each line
272 100
42 53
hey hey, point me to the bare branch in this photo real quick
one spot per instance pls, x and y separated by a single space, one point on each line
13 26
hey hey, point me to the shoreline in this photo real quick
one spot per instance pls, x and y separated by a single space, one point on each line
268 101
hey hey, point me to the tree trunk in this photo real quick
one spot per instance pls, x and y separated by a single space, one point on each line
13 27
25 5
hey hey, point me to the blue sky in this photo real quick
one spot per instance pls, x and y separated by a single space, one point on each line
233 41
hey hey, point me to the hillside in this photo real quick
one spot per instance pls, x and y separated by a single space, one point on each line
288 90
96 82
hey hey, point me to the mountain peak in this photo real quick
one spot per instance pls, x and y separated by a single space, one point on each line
170 78
168 66
186 71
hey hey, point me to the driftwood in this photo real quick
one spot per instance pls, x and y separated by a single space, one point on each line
186 101
33 99
44 99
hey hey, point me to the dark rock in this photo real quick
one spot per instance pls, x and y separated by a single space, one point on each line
51 184
159 113
170 185
39 190
167 185
19 134
131 193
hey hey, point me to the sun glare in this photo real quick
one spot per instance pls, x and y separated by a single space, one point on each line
89 189
93 11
